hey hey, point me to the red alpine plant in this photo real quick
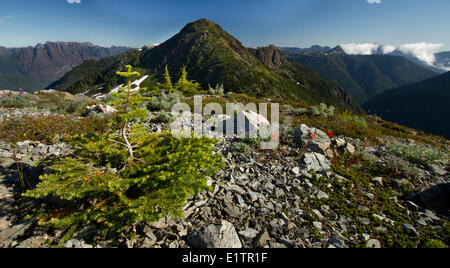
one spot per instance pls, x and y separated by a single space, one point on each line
330 134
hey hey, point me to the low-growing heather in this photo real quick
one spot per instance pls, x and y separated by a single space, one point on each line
18 101
358 120
46 128
419 154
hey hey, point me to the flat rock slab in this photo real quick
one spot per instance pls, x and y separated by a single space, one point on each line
216 236
8 235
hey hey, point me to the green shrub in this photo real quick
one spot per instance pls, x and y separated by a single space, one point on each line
417 153
318 110
189 88
400 167
435 244
218 90
287 128
242 147
299 111
164 117
18 101
165 102
71 107
358 120
367 157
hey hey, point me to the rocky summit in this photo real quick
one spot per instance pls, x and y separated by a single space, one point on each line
316 190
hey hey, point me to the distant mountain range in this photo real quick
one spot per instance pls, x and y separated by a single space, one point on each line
212 56
363 76
443 59
424 105
36 67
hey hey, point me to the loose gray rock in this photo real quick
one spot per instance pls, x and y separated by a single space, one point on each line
373 243
216 236
317 162
248 234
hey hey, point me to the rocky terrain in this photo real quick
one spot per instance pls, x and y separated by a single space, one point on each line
314 191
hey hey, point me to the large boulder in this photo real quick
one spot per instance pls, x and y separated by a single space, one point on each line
436 197
216 236
319 144
251 123
101 109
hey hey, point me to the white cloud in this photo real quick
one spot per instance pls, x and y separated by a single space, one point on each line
387 49
423 51
74 1
374 1
360 49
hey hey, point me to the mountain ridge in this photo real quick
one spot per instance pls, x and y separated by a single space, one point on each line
423 105
364 76
35 67
213 56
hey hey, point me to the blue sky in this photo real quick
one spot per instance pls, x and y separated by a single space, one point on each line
299 23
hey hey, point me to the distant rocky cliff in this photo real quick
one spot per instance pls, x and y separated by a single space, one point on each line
36 67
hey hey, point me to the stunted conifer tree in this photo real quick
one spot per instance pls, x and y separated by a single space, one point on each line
189 88
126 175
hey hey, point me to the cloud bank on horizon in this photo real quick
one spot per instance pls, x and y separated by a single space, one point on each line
374 1
74 1
424 51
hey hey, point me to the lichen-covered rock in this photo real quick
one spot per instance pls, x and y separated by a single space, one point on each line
303 137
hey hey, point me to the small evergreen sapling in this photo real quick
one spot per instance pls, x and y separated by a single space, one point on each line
189 88
157 172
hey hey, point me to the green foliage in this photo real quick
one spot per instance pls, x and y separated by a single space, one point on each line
419 154
358 120
164 102
173 170
435 244
317 110
168 82
358 182
18 101
46 128
71 107
164 88
148 175
164 117
361 75
242 147
400 167
96 72
189 88
218 90
322 110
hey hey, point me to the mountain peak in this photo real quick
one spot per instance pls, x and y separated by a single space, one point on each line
337 50
202 25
